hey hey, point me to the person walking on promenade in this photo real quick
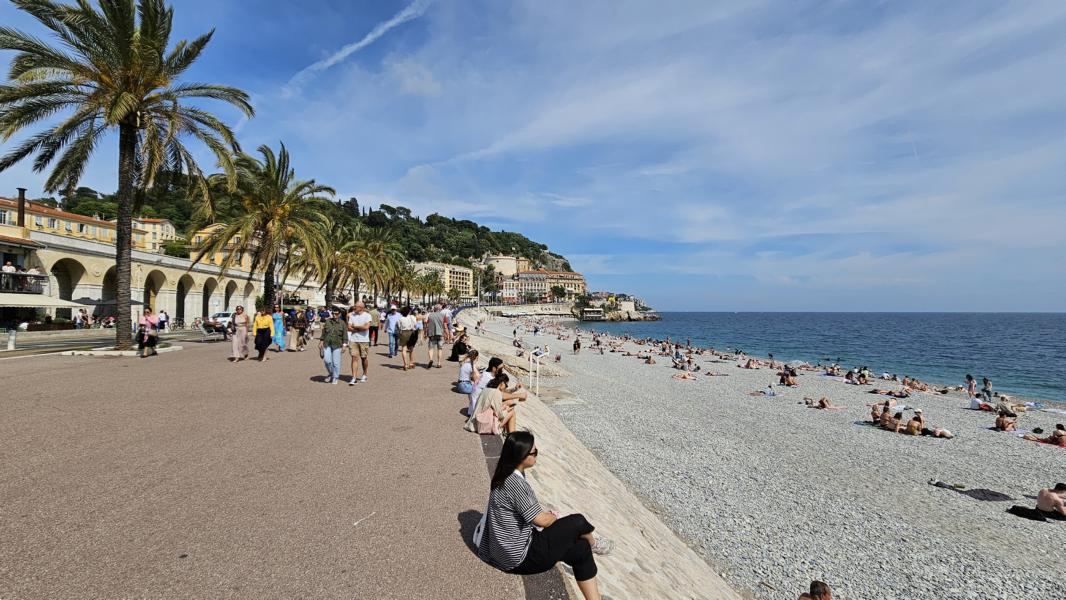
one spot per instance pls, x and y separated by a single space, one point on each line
279 328
507 538
263 332
435 335
240 324
390 329
164 320
360 324
375 324
407 333
331 346
147 333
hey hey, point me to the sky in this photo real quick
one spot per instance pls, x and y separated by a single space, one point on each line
748 155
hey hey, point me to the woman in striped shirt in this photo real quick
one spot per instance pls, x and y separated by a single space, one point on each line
509 541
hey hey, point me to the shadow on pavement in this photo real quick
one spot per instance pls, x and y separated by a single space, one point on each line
468 520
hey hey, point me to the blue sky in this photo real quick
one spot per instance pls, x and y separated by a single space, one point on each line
705 155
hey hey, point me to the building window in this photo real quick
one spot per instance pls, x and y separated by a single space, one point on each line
69 227
81 227
153 237
52 223
3 217
37 220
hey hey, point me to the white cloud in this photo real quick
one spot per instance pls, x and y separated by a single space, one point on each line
413 11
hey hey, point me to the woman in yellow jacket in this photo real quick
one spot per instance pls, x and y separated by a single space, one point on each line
264 331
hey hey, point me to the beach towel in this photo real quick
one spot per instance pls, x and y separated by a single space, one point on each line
1034 514
1057 411
1017 432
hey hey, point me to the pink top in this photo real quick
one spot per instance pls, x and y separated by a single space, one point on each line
149 321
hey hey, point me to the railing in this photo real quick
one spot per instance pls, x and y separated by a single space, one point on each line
23 283
534 370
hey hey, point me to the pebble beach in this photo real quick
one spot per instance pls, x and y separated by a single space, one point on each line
774 494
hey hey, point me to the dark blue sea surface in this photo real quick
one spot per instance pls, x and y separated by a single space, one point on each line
1022 353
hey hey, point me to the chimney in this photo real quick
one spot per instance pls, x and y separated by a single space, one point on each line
22 207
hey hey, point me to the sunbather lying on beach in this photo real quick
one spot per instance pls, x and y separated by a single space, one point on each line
1050 502
823 403
712 374
684 376
751 364
891 422
917 426
769 391
1057 437
892 393
1005 423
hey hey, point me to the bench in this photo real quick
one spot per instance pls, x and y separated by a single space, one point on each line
210 336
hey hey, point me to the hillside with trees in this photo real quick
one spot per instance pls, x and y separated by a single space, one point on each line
433 238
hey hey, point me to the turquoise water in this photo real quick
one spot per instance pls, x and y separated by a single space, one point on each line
1022 353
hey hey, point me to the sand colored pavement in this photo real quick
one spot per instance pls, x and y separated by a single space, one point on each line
185 476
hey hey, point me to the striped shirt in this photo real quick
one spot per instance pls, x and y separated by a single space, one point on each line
509 523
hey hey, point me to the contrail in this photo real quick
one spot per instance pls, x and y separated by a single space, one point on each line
413 11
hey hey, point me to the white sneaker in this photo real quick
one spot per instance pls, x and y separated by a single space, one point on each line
336 381
329 380
362 379
603 546
354 380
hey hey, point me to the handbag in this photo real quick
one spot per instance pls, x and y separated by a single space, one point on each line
486 423
479 531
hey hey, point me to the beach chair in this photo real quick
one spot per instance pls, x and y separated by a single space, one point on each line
209 336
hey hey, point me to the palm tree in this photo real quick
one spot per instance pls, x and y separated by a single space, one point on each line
428 284
111 71
281 218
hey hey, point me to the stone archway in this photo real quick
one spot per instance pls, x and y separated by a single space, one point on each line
210 287
67 273
249 298
108 295
228 299
185 285
153 283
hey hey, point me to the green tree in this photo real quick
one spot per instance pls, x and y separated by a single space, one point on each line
281 217
558 292
111 70
178 248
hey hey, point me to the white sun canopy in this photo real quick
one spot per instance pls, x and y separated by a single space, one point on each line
35 301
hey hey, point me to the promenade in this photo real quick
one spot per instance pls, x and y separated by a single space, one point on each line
185 476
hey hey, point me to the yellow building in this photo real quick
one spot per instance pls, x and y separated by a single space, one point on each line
157 232
198 238
454 277
539 284
71 257
52 220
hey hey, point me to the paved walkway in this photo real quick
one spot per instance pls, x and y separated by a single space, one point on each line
185 476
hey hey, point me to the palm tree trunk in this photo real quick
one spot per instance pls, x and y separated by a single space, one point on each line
127 151
268 286
331 285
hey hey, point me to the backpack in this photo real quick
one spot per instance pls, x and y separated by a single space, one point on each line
486 423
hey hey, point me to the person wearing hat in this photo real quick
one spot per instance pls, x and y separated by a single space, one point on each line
459 348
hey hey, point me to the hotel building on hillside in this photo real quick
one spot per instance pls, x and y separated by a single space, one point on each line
157 232
454 277
539 283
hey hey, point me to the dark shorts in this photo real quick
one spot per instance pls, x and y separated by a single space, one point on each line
436 341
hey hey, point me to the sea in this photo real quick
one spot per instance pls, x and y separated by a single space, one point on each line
1024 354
